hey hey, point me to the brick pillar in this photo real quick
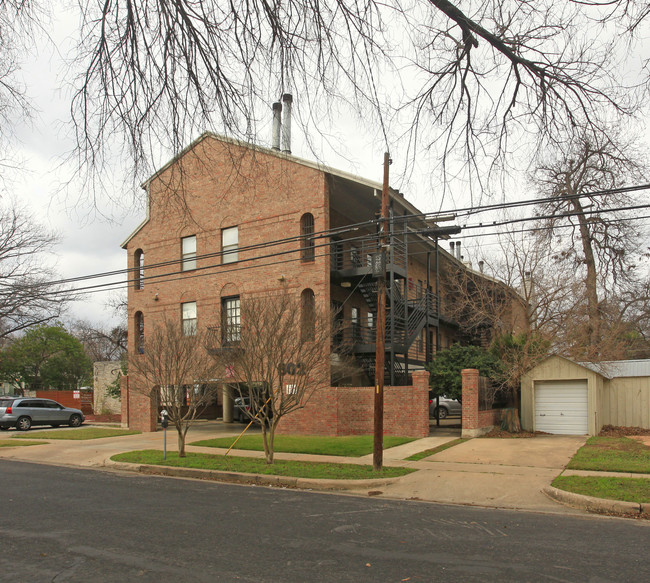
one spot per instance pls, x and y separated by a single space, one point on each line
124 400
421 395
142 409
470 402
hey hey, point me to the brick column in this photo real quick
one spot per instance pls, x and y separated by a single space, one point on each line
124 400
470 402
421 395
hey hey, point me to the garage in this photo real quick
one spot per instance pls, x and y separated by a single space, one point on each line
561 407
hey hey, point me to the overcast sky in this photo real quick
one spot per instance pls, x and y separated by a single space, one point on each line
90 233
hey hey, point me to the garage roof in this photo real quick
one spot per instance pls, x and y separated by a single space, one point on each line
620 368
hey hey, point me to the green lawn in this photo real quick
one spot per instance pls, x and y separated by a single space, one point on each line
350 446
434 450
80 433
612 454
14 443
259 466
626 489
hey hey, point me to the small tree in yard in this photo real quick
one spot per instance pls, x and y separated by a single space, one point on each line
278 357
446 366
176 369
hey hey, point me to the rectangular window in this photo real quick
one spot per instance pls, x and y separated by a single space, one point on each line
188 311
229 245
188 253
230 320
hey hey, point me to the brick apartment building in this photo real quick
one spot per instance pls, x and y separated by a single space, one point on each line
212 215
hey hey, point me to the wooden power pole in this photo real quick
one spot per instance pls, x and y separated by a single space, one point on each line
380 354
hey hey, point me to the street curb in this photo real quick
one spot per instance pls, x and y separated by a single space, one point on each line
256 479
596 505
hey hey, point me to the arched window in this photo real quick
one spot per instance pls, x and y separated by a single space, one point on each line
138 267
307 234
307 315
139 333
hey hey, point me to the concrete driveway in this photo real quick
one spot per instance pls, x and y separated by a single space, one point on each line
502 473
543 451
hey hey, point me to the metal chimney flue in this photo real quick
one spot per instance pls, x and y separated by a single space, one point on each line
458 251
287 100
277 125
480 266
451 248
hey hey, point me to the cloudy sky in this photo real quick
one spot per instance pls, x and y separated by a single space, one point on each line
91 231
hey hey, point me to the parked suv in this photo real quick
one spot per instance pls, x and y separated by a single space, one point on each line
23 412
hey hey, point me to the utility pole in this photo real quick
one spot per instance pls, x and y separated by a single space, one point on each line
380 353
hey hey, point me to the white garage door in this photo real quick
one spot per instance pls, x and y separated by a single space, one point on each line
561 407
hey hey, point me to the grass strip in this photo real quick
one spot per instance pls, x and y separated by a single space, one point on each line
292 468
77 434
16 443
626 489
348 446
612 454
434 450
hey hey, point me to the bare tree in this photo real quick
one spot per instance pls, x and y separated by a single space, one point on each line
473 81
28 292
177 372
18 21
583 181
277 358
100 342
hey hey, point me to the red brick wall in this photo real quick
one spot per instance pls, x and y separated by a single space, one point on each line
223 185
350 411
475 422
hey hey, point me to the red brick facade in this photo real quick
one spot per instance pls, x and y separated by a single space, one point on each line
475 422
350 411
218 184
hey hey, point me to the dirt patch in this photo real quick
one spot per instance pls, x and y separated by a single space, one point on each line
496 432
612 431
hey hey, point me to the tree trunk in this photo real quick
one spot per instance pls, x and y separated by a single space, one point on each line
181 441
268 445
591 283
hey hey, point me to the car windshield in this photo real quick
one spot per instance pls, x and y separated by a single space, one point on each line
6 402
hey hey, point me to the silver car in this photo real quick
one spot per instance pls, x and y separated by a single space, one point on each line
448 407
23 412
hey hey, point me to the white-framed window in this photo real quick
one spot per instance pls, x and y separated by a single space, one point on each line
188 315
230 320
229 244
188 253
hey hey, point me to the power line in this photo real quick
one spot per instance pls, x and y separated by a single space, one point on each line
161 278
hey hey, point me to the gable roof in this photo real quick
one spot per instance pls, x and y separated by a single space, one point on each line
342 175
610 369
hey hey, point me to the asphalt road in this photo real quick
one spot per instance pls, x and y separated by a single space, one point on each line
62 524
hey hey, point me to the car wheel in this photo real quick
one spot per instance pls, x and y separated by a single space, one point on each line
75 420
443 413
23 424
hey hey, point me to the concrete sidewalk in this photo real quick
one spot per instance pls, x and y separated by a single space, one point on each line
501 473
